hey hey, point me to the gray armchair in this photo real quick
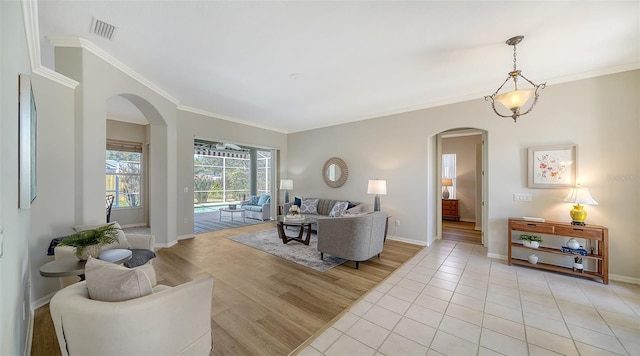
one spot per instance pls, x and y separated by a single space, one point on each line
356 238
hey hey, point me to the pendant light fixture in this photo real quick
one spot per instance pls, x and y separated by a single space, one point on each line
516 99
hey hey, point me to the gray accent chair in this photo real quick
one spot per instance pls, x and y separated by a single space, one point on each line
356 238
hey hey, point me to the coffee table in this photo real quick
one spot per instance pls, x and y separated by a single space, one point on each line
231 212
72 266
307 221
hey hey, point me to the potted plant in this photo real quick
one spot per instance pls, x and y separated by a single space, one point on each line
89 242
531 240
577 264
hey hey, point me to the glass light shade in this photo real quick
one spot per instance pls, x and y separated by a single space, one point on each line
579 195
515 99
377 186
286 184
447 182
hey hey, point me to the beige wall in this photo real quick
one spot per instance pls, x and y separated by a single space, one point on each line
464 147
600 115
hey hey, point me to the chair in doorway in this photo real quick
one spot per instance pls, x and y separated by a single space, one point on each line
110 199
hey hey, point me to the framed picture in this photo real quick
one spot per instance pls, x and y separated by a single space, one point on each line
27 140
552 166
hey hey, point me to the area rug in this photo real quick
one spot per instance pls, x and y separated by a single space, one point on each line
308 256
210 221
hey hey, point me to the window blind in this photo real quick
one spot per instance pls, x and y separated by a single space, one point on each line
114 145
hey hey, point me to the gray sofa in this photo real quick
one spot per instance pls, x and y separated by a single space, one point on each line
325 205
355 238
257 207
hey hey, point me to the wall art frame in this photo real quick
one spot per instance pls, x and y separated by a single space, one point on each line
552 166
27 143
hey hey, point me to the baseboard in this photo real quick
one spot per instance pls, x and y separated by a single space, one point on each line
187 236
624 279
409 241
128 226
29 340
42 301
496 256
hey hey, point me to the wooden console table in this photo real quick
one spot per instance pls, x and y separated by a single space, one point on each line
594 238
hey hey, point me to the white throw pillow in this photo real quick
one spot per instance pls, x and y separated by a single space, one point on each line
109 282
338 209
122 238
309 206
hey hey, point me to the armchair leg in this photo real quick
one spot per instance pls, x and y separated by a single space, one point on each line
321 255
357 265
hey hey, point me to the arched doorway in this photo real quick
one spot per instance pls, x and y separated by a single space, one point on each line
461 168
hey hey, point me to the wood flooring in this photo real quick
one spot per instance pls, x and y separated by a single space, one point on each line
461 231
262 304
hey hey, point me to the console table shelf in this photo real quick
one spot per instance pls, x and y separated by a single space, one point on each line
596 239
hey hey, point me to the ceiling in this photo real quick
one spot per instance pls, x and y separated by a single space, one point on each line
298 65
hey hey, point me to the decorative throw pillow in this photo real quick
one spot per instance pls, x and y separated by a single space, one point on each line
139 257
297 201
338 209
309 206
263 199
122 238
253 200
109 282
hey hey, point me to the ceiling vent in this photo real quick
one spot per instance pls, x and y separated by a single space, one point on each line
102 28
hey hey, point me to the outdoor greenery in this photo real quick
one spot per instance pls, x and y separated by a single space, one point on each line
123 177
220 179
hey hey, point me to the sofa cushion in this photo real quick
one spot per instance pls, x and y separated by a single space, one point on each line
338 208
109 282
297 201
262 199
309 206
122 238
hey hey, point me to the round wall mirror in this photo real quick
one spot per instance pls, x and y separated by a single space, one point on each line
335 172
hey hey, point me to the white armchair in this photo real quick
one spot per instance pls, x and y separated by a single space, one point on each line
171 321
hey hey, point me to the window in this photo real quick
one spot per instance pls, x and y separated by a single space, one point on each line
449 171
223 172
123 173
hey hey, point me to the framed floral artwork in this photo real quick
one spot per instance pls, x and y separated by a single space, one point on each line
552 166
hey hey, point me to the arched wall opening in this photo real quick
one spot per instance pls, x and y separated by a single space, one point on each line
474 206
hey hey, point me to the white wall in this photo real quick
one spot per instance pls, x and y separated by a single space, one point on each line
14 241
101 80
600 115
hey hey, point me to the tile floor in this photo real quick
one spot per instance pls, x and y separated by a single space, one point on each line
451 299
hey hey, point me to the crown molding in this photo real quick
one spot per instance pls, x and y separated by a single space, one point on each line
32 33
228 118
78 42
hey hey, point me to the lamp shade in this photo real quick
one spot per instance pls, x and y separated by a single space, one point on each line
377 186
515 99
286 184
579 195
447 182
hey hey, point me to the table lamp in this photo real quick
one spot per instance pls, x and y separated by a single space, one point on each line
377 187
446 182
286 185
579 196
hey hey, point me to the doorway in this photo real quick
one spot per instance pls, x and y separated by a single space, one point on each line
462 181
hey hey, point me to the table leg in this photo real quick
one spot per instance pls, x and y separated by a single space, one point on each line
298 238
